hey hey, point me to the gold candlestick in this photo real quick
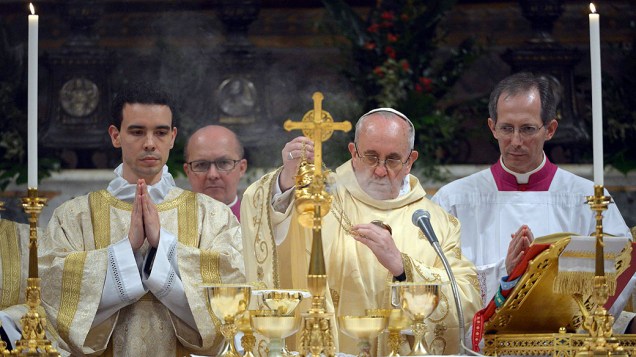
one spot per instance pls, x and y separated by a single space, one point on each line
33 341
599 322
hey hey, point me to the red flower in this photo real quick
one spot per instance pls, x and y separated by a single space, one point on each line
427 82
387 15
369 45
374 28
378 71
405 65
391 37
386 24
418 88
390 51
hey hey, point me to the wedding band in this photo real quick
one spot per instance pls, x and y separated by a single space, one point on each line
382 225
291 157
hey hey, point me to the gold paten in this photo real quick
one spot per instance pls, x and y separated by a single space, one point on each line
312 203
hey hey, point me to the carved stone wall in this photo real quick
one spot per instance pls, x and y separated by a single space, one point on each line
182 46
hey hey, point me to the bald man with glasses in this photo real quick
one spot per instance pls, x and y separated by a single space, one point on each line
523 195
214 163
368 237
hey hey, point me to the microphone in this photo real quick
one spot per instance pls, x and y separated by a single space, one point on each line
422 219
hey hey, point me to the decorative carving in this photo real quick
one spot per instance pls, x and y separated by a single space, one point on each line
79 97
543 54
237 97
79 73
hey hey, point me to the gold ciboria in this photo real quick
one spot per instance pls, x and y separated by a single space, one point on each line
33 341
312 203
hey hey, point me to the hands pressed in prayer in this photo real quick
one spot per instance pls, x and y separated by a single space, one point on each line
144 221
519 243
292 153
136 234
381 243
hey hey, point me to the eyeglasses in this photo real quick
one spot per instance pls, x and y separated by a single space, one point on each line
221 165
525 131
374 160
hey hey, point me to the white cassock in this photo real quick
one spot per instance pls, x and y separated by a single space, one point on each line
489 216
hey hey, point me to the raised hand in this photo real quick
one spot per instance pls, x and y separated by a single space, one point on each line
291 154
381 243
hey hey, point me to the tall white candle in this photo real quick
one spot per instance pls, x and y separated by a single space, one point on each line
597 96
32 105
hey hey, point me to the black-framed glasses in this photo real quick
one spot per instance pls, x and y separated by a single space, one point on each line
374 160
525 131
221 165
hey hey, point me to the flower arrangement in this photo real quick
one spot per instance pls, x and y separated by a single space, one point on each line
397 62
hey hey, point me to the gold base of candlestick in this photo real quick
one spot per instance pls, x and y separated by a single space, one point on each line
33 341
316 337
599 322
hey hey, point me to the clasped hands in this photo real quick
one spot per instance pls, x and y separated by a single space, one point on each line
518 246
144 221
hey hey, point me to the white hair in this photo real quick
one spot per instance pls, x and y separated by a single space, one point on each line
387 113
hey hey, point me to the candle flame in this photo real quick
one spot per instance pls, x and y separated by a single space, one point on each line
32 8
592 8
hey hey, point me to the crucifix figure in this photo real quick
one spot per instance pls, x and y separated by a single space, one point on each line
318 125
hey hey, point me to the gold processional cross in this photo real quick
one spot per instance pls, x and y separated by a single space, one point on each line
312 202
318 125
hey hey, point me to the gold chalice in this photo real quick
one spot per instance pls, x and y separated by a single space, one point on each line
248 341
281 302
364 328
228 301
418 300
398 321
276 328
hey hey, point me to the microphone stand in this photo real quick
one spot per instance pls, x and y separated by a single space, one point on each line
458 303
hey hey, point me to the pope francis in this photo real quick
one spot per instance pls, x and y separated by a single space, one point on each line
362 258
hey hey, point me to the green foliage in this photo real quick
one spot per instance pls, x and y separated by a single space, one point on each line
176 160
619 114
13 118
396 61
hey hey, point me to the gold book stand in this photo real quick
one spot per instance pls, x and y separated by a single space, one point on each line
534 320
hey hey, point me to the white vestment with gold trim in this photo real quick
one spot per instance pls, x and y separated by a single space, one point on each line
357 281
79 263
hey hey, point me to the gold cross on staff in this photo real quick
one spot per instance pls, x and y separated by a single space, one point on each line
318 125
